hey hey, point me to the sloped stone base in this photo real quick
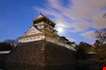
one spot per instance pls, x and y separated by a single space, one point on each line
41 55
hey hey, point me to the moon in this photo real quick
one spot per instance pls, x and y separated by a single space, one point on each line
60 26
60 30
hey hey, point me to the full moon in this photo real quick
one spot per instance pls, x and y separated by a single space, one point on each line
60 29
60 26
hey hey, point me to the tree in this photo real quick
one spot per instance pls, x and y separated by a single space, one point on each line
101 54
83 50
5 46
101 35
101 46
11 42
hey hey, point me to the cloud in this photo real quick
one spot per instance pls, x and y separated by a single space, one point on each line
86 8
100 20
79 16
81 26
89 35
80 10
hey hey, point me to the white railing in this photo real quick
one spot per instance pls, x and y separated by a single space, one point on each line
49 39
59 42
5 52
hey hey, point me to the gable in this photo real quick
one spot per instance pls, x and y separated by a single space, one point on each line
32 31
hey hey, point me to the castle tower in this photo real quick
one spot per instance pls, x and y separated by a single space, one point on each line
41 28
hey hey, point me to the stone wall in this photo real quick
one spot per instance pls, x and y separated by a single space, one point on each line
41 56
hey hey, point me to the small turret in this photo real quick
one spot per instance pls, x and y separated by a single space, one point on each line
42 22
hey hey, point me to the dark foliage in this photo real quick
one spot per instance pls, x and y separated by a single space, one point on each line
101 35
82 50
5 46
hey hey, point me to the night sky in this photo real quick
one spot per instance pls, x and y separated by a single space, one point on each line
75 19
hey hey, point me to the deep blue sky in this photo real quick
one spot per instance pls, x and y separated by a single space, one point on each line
16 17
